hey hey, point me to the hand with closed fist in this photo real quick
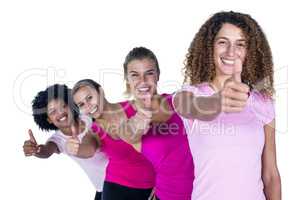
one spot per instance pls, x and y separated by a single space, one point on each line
73 142
234 94
144 114
30 146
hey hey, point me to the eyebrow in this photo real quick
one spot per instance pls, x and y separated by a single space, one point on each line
133 71
50 109
225 38
149 70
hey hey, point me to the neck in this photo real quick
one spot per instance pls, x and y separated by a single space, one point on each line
218 82
67 130
155 102
109 110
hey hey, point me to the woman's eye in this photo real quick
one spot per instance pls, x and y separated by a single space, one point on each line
150 73
80 105
89 97
51 112
241 45
221 42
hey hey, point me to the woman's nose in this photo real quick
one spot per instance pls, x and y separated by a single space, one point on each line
231 50
142 78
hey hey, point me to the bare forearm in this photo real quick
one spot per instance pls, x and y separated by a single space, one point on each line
86 151
202 108
88 147
273 189
207 108
132 130
45 151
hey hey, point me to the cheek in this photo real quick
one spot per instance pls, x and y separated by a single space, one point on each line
132 84
51 119
84 110
216 55
243 55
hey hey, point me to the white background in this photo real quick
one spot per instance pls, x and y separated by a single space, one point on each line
58 41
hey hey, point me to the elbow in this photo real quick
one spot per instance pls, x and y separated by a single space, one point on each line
86 155
272 182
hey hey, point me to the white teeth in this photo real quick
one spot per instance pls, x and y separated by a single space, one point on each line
144 89
94 110
227 62
63 119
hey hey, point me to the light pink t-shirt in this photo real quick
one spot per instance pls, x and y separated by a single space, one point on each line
94 167
227 150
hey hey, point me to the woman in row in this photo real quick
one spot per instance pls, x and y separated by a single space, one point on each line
129 175
164 141
53 109
234 154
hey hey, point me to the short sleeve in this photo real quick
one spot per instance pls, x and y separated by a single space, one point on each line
263 107
59 141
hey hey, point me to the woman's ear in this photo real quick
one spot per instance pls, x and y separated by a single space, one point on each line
101 93
49 120
125 78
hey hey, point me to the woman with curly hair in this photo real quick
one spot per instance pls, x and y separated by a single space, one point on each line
234 154
54 110
158 129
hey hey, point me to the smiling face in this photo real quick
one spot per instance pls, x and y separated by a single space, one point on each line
142 77
229 50
59 114
89 101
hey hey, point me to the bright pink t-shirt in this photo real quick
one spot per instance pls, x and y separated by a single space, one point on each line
126 166
166 146
227 151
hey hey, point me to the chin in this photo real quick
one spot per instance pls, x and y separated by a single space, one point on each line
226 71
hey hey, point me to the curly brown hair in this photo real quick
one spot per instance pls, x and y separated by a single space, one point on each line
258 65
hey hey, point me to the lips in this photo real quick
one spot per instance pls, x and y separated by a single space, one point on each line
144 89
94 110
227 61
63 118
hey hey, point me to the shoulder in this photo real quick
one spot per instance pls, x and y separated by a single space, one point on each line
262 106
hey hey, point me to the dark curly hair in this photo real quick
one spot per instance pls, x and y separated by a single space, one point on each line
41 100
258 65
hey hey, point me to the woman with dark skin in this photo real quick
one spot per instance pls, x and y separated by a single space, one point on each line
53 109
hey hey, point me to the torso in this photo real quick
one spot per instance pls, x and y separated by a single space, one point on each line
170 155
227 153
126 166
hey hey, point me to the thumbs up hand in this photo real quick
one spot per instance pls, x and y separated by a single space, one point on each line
237 71
73 143
235 94
144 113
30 146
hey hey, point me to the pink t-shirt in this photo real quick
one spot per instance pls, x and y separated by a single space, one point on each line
166 146
126 166
227 151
